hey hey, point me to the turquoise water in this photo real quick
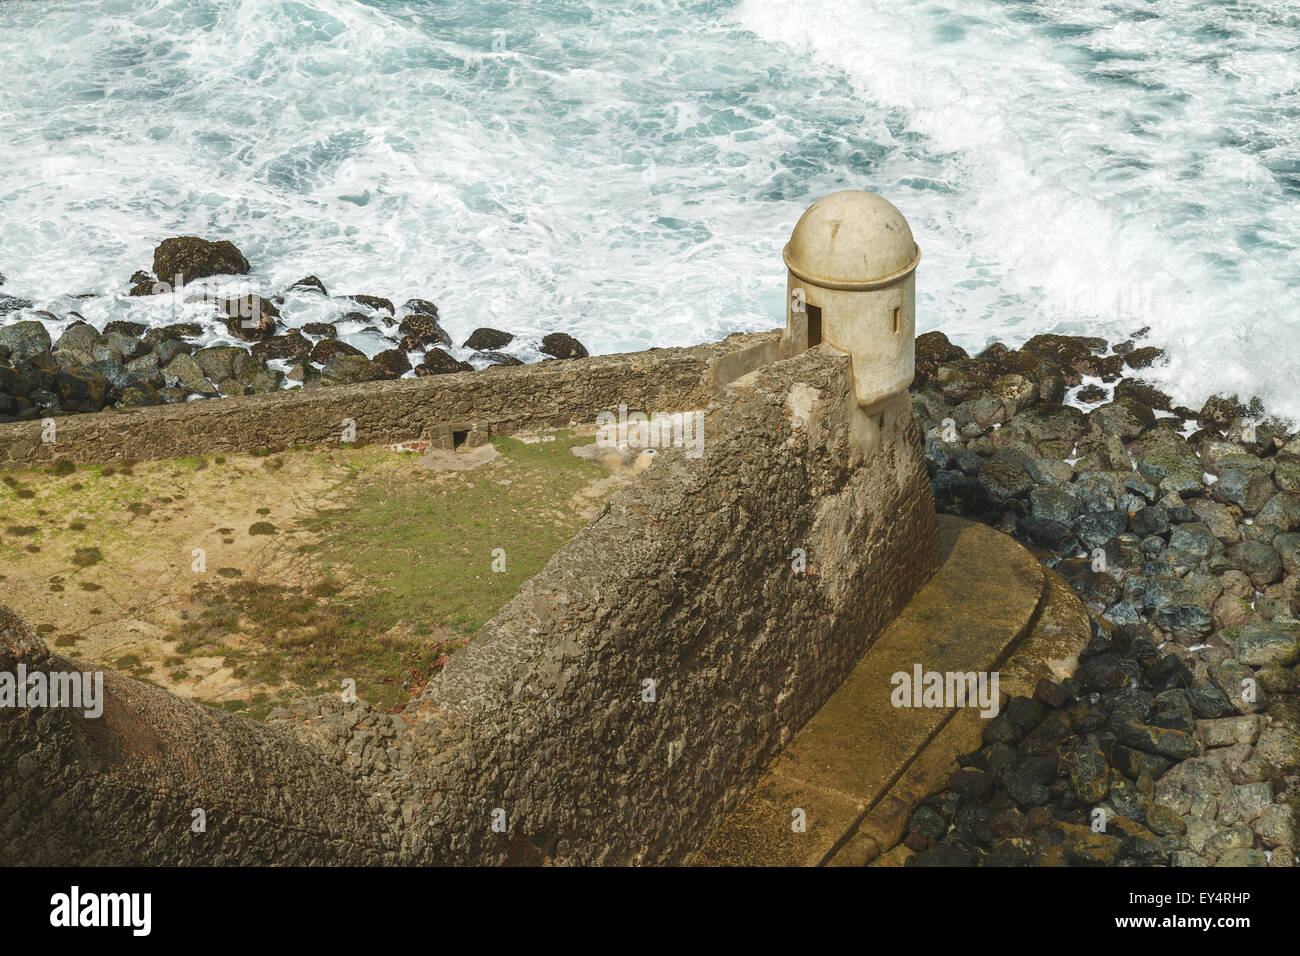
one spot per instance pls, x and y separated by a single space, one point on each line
628 171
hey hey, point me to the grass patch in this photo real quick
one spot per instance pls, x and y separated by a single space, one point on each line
425 542
262 527
86 557
301 638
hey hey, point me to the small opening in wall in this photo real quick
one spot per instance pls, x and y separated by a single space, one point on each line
898 319
814 326
458 438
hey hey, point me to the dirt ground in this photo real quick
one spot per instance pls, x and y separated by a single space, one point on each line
244 580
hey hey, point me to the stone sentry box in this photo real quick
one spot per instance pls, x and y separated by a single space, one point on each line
851 284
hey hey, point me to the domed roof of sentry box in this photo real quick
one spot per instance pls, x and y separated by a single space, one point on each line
851 239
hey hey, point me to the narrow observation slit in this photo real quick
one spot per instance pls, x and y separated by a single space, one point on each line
898 319
814 326
458 438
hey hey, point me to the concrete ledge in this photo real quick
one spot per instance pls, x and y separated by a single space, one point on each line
860 765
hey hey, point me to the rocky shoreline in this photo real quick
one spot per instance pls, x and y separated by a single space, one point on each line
128 364
1177 740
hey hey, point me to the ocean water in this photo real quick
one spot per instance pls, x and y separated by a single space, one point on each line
628 171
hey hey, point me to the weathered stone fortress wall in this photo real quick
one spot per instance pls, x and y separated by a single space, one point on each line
497 400
685 580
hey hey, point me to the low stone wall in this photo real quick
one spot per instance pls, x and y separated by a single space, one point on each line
613 712
497 400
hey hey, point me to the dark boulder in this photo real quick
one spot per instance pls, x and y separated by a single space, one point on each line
420 306
139 394
438 362
374 302
82 390
115 372
563 346
25 340
485 339
320 329
193 258
133 329
497 358
310 284
171 333
392 363
78 337
292 344
347 369
250 317
420 330
326 349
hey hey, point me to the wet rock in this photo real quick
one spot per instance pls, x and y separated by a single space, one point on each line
374 302
12 303
1248 488
139 394
1238 684
1276 642
194 258
438 362
496 358
1172 744
250 317
78 337
1097 529
25 340
184 372
928 822
1107 672
1219 412
972 785
326 349
310 284
145 369
392 363
1144 357
420 307
1089 773
419 331
112 370
81 390
1258 561
1162 457
1074 354
1278 747
327 329
1133 763
346 369
291 344
171 333
1054 503
563 346
1125 419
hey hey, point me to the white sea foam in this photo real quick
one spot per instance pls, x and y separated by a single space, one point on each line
628 173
